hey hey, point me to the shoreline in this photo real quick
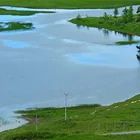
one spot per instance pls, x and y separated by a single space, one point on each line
18 122
24 119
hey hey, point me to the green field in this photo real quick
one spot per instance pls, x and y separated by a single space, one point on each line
83 122
13 26
69 4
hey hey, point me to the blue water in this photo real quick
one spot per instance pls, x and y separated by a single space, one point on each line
15 44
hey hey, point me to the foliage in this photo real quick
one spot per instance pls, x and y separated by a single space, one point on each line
125 15
105 16
138 10
130 14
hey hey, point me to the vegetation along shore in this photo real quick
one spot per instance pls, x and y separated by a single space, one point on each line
127 23
21 12
83 122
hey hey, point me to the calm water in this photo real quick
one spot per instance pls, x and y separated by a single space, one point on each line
38 66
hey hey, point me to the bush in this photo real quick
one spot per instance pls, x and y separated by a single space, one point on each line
100 22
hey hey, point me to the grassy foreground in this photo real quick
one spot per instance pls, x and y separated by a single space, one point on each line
21 13
13 26
52 136
83 122
69 4
112 23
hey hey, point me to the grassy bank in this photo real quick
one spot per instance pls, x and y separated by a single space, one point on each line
13 26
69 4
127 42
83 122
111 23
21 13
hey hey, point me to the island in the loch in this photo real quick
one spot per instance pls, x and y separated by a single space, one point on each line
127 23
14 26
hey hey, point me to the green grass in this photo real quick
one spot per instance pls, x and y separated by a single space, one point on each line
127 42
69 4
112 23
13 26
21 13
43 135
83 122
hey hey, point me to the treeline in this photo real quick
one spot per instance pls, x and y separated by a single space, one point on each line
127 14
127 21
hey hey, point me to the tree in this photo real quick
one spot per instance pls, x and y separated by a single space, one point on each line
78 17
130 14
138 12
105 16
116 12
125 15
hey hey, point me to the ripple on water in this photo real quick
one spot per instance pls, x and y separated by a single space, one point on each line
71 41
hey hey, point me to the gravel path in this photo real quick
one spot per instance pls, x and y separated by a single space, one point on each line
123 133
